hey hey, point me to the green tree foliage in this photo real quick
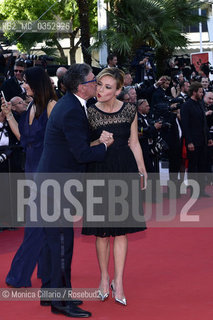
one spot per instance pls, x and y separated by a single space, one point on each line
31 10
158 23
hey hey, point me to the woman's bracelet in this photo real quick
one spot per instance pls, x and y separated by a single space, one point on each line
9 117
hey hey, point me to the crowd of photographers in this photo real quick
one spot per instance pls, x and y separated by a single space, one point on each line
175 113
175 118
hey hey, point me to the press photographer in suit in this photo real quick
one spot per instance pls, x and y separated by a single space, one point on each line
13 86
147 132
196 134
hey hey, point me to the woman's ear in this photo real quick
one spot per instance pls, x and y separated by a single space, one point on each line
118 91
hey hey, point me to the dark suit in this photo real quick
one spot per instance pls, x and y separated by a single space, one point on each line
195 131
159 102
194 123
66 149
175 143
149 133
12 88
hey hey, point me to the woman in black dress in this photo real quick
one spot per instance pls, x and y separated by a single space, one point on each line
123 156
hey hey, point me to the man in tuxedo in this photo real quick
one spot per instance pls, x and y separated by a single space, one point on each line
13 86
147 132
208 107
67 149
184 89
159 97
112 61
205 84
196 134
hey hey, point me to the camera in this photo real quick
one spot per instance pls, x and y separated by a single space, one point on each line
165 124
31 58
138 85
146 51
5 154
196 78
166 106
163 111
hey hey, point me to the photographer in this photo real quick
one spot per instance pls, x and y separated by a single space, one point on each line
196 133
4 144
13 86
132 94
15 157
143 63
208 107
127 79
147 132
61 89
184 89
159 96
144 92
205 84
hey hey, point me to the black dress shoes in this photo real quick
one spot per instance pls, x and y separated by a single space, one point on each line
71 311
47 303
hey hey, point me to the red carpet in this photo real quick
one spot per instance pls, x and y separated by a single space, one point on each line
168 276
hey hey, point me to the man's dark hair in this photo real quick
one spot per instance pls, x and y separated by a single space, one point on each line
20 63
182 83
76 75
110 57
194 87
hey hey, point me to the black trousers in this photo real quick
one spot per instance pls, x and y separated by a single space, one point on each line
197 165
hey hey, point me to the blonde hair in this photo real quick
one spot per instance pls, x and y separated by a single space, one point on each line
115 73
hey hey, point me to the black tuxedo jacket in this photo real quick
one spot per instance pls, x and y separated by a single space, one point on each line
194 124
12 88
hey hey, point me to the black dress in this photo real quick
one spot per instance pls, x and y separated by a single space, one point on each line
119 159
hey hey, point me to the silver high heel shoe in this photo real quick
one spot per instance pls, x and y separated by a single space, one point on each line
102 296
121 301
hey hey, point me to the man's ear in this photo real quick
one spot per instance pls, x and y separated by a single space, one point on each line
80 88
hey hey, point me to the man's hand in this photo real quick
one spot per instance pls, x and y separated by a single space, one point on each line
173 106
160 82
6 107
210 143
145 60
191 147
209 113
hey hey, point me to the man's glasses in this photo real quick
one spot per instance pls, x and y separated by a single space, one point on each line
20 71
20 102
94 80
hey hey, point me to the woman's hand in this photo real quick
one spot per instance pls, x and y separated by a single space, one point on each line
144 176
106 137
